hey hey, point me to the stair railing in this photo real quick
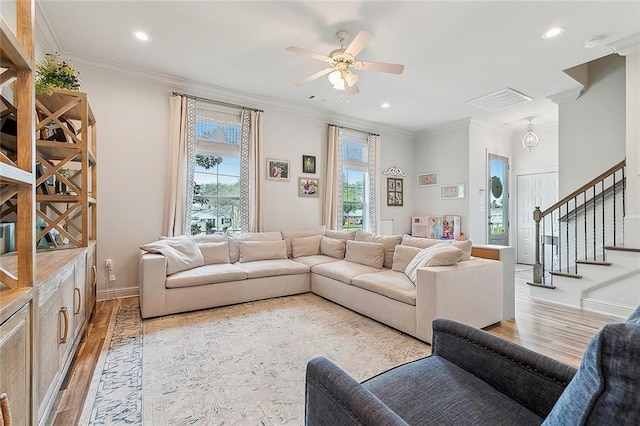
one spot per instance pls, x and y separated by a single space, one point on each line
576 228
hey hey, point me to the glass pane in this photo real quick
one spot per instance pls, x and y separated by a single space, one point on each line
497 201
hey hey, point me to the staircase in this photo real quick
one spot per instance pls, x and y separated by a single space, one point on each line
581 259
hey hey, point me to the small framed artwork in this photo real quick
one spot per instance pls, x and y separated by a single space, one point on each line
452 191
427 179
309 164
278 170
394 191
308 187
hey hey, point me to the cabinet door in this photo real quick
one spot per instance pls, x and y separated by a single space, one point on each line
79 294
48 342
15 369
67 318
91 282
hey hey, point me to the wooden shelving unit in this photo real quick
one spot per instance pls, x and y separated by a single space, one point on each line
69 208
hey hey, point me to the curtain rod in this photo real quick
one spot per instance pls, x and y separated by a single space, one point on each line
351 128
198 98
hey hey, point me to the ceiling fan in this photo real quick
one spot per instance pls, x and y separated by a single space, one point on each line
341 62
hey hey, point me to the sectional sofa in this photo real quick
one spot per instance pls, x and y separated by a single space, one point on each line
402 281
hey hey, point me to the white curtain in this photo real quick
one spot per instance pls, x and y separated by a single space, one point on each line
181 153
333 175
374 183
251 172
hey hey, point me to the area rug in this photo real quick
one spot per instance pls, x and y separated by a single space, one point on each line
236 365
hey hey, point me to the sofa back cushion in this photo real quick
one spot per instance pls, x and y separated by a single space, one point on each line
333 247
210 238
214 253
402 255
365 253
606 387
438 255
181 253
306 246
340 235
288 236
262 250
465 246
234 241
388 241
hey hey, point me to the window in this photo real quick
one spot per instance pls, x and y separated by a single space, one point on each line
216 204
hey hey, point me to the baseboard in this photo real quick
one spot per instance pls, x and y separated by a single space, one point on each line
117 293
602 306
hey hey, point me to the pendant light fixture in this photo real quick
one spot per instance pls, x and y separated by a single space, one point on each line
530 139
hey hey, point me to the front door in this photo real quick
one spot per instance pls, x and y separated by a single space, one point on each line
498 200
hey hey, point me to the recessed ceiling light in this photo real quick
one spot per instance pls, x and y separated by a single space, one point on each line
385 105
141 35
593 42
552 32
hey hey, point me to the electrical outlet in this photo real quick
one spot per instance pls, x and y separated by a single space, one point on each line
108 264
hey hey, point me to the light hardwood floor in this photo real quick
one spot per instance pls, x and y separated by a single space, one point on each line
559 332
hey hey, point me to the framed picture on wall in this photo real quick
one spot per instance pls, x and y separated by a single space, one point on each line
278 170
427 179
309 164
308 187
448 192
394 191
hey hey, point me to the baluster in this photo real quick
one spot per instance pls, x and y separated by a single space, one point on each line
544 219
594 222
575 232
537 267
584 206
603 221
614 213
624 191
567 242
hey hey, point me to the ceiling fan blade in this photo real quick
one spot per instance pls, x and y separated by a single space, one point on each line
379 66
309 53
313 77
352 90
359 42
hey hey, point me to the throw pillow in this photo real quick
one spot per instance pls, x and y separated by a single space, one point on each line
306 246
439 255
181 253
365 253
465 246
214 253
332 247
262 250
408 240
340 235
234 241
402 256
389 241
210 238
288 236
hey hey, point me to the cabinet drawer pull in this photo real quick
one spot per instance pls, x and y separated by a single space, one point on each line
65 316
79 305
94 280
5 409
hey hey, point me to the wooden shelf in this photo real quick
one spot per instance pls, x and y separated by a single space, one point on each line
70 102
9 173
13 55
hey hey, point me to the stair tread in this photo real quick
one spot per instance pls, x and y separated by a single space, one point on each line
594 262
550 287
622 248
565 274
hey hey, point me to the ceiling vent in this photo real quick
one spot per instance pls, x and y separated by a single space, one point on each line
499 100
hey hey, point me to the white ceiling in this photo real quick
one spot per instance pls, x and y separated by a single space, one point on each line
452 51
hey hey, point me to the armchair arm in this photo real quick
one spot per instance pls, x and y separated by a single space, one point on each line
534 380
333 398
152 275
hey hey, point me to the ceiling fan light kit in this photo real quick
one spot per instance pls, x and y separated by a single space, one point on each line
340 60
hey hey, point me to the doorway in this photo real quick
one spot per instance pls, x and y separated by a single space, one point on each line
498 200
536 189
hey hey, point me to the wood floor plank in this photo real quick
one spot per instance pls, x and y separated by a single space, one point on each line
559 332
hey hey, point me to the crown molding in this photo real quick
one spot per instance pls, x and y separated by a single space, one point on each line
627 45
43 33
566 96
446 127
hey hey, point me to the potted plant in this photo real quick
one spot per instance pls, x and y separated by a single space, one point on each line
54 72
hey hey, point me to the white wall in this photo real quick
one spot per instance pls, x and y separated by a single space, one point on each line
592 128
132 115
541 159
632 220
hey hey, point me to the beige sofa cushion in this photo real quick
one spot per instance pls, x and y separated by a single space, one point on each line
251 251
392 284
365 253
287 236
208 274
214 253
343 270
305 246
340 235
181 253
234 241
314 260
465 246
210 238
438 255
402 255
333 247
389 241
270 268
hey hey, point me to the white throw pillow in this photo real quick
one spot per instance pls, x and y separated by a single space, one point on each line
389 241
214 253
340 235
333 247
262 250
402 256
439 255
234 241
288 236
306 246
365 253
181 253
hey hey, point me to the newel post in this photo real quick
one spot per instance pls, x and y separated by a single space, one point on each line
537 267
